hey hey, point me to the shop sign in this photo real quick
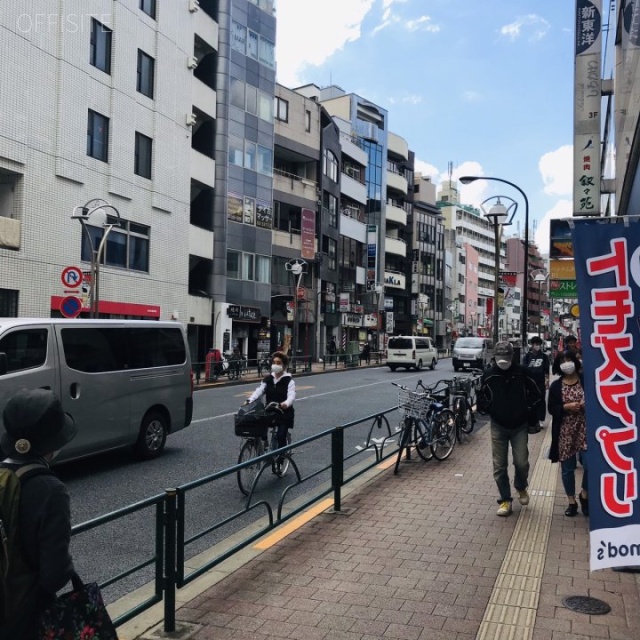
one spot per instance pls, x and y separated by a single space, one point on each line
245 314
351 320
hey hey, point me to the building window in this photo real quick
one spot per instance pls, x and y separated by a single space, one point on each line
127 246
281 109
148 7
146 65
330 165
252 45
8 303
307 121
98 136
265 161
330 203
239 37
329 248
248 266
100 49
143 154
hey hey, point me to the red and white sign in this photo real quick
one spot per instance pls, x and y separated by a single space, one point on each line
70 306
71 277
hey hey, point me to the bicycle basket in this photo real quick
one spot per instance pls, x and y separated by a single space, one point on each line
251 421
412 404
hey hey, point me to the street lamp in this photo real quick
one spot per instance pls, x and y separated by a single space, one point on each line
498 216
98 209
540 276
525 299
297 268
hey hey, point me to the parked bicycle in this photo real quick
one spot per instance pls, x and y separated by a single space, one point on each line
462 399
427 425
257 425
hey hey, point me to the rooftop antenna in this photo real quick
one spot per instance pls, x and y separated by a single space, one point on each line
450 167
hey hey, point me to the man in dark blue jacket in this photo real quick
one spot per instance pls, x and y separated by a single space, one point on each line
513 395
537 362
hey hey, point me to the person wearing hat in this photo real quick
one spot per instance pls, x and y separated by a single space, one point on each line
511 392
35 429
537 362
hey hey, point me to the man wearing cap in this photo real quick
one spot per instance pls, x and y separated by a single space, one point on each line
537 362
36 428
512 393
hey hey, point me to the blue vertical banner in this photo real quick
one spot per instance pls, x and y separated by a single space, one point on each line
607 260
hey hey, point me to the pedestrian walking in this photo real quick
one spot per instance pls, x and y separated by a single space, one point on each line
509 395
366 353
537 362
569 428
332 347
36 428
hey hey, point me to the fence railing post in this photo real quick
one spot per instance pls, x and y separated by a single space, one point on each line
337 461
170 554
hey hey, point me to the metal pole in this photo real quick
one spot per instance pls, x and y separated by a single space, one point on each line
540 308
496 284
96 275
87 234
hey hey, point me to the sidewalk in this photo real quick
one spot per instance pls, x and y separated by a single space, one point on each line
420 556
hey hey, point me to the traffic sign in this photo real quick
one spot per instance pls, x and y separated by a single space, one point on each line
70 307
71 277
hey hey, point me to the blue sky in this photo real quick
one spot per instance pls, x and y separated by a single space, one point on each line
485 84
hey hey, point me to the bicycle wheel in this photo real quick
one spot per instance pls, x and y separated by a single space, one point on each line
280 466
252 448
464 415
444 434
421 439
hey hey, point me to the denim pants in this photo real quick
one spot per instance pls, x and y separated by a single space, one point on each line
519 440
569 473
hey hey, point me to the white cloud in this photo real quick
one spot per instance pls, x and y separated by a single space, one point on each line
556 169
333 24
410 99
562 209
427 169
472 194
533 25
423 23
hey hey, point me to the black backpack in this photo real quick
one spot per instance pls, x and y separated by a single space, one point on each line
16 579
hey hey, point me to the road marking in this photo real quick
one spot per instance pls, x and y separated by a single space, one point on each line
290 527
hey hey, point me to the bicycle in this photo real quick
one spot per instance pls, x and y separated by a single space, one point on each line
427 425
258 427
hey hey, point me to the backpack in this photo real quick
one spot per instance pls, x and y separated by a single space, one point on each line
16 579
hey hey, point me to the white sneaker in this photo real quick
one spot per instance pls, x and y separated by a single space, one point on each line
523 497
505 509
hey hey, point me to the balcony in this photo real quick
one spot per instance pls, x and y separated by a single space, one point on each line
396 214
9 233
204 98
351 149
200 242
200 309
353 189
352 228
397 182
395 280
294 185
206 27
203 168
287 240
396 246
397 145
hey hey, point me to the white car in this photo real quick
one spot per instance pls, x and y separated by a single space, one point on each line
411 352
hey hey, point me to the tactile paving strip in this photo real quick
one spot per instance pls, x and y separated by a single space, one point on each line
511 612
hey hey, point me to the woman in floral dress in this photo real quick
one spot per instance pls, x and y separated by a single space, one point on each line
568 427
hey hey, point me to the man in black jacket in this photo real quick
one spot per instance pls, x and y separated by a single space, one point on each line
537 362
36 428
513 396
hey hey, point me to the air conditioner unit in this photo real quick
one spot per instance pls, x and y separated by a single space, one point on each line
192 118
194 5
192 62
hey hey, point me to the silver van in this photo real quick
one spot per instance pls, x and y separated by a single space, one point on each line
472 352
411 352
124 382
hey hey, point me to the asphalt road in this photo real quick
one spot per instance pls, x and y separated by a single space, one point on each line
105 483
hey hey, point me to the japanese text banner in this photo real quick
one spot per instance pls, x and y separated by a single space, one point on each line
607 261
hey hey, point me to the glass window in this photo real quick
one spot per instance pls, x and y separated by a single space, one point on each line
238 37
281 109
143 154
25 349
98 136
265 107
236 93
267 53
247 266
116 249
146 66
330 168
149 7
8 303
263 264
138 253
265 161
252 100
252 45
152 347
236 151
331 205
233 264
127 246
100 46
94 350
250 155
307 120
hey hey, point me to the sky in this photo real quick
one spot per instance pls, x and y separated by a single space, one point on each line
484 84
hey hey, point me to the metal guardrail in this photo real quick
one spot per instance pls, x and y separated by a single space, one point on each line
171 508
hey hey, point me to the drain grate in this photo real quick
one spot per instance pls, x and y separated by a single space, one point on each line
584 604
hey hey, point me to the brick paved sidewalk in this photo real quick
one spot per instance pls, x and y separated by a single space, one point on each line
418 558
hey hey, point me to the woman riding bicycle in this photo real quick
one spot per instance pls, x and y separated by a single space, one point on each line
279 387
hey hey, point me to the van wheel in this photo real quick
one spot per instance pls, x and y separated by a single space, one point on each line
418 366
392 367
153 435
433 364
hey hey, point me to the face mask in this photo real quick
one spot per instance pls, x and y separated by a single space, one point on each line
276 368
504 365
568 368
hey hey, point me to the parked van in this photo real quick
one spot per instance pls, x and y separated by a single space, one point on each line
411 352
124 382
472 352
